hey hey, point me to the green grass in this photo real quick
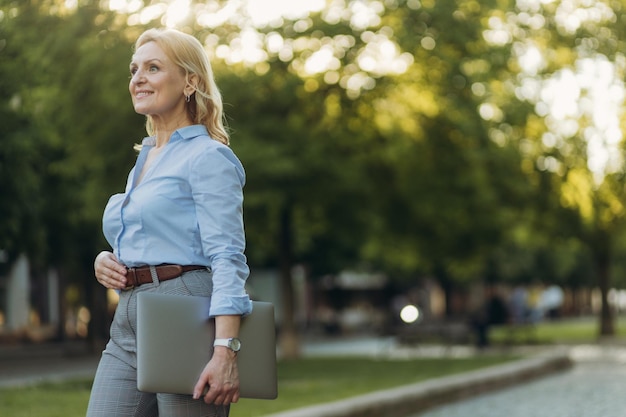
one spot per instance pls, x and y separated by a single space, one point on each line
580 330
68 399
302 382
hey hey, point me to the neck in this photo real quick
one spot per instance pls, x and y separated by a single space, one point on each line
164 128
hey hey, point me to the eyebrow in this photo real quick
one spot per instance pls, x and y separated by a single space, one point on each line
148 61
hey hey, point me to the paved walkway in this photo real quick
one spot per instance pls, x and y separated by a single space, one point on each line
588 390
33 364
595 387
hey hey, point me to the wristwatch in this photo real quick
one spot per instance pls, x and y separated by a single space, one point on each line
231 343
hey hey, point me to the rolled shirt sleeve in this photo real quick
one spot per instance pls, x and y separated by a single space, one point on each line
217 179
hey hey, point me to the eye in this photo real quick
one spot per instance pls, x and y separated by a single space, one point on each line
133 70
153 68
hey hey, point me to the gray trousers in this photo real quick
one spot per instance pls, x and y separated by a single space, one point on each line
114 392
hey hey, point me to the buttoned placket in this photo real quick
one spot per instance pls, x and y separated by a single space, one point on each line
141 160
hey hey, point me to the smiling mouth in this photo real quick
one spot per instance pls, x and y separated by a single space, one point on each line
142 94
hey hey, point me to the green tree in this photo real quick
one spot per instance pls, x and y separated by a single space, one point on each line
548 44
69 138
450 194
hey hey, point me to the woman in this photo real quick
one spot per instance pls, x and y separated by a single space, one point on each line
182 207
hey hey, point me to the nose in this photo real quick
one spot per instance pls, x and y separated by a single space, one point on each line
137 77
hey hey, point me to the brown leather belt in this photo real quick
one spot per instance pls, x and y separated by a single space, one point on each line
141 275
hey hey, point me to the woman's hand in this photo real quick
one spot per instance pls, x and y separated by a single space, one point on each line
222 377
109 271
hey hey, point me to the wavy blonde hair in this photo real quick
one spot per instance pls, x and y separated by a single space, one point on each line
205 104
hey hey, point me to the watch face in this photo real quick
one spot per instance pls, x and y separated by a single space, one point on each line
235 344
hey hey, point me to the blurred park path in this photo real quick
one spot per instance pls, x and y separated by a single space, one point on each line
22 365
594 387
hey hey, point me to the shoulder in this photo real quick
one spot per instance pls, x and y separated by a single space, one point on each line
196 140
210 155
205 146
206 153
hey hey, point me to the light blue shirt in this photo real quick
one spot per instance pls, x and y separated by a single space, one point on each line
187 210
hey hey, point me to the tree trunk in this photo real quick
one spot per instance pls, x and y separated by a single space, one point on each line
288 339
607 325
601 253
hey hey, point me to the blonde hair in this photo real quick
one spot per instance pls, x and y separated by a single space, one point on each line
205 104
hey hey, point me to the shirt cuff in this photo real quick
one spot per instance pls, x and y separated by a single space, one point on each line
226 305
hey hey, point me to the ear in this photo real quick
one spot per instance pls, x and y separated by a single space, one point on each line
192 84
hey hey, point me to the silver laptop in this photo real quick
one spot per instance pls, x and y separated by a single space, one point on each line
175 342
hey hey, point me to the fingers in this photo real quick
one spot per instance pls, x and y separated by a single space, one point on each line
109 271
223 394
199 388
222 381
219 395
235 397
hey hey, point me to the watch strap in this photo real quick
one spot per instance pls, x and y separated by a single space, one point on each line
232 343
221 342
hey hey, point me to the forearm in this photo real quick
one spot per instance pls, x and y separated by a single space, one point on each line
227 326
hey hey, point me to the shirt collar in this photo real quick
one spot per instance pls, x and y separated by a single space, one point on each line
187 132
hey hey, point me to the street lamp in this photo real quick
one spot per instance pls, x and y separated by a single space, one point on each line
409 314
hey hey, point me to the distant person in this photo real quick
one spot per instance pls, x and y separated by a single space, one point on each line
493 312
552 301
535 310
327 317
177 228
520 312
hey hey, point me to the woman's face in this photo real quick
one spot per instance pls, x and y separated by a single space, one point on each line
156 84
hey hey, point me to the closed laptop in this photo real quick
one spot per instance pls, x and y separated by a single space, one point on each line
175 342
